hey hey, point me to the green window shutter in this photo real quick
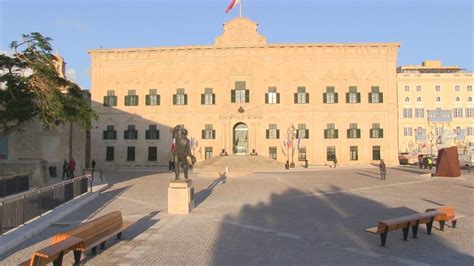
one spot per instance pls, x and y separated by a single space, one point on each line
348 133
278 134
104 134
136 97
358 97
203 98
307 97
278 97
185 99
158 99
213 134
203 134
325 98
114 100
127 100
371 133
147 134
213 98
266 98
105 101
307 133
337 133
381 97
296 97
336 97
247 96
267 134
297 134
381 132
347 97
174 99
358 133
325 133
232 96
147 100
157 134
370 97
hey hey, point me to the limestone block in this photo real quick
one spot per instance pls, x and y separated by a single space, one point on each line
180 197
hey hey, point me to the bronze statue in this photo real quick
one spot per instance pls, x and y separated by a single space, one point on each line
181 151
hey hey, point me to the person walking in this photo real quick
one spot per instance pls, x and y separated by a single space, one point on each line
65 170
383 170
334 160
71 168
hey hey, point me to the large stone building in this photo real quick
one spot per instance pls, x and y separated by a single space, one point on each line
241 94
433 98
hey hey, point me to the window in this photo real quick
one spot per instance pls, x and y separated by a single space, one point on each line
439 131
208 97
469 87
130 133
407 131
152 132
407 99
273 132
458 99
272 96
376 132
469 112
353 96
376 153
457 112
330 96
110 99
109 153
152 98
469 99
208 132
419 112
272 152
180 98
207 152
461 133
330 153
407 88
470 131
110 133
438 88
130 153
418 99
418 87
302 132
353 132
438 99
131 99
331 132
375 96
407 113
301 96
420 134
354 153
152 154
302 153
240 94
457 88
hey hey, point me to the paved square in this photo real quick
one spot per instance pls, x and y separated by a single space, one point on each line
312 216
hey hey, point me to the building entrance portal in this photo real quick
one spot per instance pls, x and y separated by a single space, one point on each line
240 139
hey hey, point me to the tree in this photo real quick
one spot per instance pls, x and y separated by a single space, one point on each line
33 89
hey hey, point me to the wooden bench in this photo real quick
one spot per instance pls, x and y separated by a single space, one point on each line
95 232
53 253
404 223
447 214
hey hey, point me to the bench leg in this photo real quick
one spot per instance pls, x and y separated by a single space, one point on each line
59 260
119 235
414 230
77 257
429 226
453 223
405 233
383 238
102 245
94 250
441 225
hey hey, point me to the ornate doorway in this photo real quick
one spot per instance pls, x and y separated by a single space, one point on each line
240 139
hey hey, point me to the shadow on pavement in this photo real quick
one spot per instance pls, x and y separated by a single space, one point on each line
296 227
412 171
203 194
369 174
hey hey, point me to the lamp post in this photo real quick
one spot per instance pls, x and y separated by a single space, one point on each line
291 136
430 138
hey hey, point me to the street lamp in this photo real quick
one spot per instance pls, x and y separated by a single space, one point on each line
430 138
291 136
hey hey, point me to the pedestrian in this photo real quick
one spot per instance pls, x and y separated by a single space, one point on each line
93 165
334 160
383 170
71 168
425 162
430 163
65 170
420 161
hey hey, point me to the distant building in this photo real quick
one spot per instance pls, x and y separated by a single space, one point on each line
242 93
431 99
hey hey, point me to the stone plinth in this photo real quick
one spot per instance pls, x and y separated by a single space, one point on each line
180 196
448 162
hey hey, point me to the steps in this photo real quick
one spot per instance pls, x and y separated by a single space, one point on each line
239 164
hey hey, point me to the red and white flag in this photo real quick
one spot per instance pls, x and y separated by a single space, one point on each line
231 5
173 145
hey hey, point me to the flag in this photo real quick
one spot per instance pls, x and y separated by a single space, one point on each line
173 145
231 5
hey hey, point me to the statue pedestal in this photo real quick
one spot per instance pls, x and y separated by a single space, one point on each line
448 162
180 196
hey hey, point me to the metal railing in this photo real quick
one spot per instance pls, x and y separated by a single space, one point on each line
14 184
19 209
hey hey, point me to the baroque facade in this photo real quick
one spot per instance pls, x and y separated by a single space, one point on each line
434 98
243 94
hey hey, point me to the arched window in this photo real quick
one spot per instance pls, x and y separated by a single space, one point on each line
418 99
438 99
407 99
469 99
457 99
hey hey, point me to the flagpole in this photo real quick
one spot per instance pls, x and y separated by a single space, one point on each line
240 5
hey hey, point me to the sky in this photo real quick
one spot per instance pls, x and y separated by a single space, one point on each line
426 29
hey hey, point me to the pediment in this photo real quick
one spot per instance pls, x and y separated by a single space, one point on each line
240 32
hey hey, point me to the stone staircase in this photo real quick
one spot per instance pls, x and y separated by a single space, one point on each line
239 164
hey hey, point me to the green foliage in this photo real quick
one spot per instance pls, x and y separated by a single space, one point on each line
32 88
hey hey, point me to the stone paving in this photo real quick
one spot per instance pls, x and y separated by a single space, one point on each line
314 216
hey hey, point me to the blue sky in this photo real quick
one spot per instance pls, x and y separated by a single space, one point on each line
426 29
